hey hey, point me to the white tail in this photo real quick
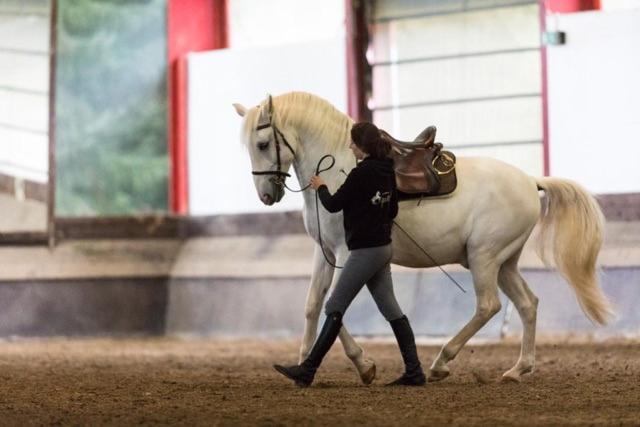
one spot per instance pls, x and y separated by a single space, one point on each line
573 224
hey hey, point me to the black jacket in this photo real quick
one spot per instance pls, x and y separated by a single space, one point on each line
369 201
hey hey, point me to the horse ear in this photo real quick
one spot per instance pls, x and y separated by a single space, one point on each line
266 112
240 109
270 106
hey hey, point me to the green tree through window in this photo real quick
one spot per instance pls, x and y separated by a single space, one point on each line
111 107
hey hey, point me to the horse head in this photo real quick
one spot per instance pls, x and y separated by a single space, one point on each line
270 151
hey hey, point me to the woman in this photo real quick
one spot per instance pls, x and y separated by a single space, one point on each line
369 204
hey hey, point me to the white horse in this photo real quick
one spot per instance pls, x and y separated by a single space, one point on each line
482 225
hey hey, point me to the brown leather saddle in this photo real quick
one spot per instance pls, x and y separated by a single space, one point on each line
423 168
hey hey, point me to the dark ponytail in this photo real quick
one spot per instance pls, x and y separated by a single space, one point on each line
368 138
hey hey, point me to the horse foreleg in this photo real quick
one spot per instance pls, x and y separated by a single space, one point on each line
516 289
320 281
485 277
366 367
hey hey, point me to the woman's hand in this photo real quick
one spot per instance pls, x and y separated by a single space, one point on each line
316 182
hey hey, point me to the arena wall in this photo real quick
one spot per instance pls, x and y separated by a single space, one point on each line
24 90
227 285
594 120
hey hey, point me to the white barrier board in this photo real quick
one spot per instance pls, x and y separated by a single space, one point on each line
220 180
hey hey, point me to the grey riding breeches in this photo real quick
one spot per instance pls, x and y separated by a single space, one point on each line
368 266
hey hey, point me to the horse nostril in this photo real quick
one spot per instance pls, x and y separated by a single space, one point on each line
266 199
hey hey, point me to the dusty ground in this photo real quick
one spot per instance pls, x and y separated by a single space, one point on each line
103 382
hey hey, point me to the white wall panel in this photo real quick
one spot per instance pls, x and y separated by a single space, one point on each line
24 87
469 32
24 154
469 123
24 110
24 32
594 100
474 74
619 4
479 76
220 179
21 71
274 22
386 9
25 7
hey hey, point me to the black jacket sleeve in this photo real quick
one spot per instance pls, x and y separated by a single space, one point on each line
346 192
393 207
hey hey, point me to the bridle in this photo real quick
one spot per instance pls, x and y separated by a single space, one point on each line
279 176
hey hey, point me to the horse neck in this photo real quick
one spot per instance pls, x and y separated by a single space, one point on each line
311 153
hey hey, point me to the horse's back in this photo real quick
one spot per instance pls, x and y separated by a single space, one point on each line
485 178
471 169
493 200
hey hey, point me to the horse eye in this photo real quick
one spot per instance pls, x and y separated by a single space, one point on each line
263 145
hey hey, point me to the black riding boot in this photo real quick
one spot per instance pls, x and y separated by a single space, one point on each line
413 374
303 374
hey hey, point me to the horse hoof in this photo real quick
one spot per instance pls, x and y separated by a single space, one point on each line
368 377
515 375
510 378
435 376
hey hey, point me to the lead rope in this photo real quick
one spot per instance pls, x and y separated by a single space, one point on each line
318 172
430 257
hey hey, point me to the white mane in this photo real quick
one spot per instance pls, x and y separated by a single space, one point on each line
313 117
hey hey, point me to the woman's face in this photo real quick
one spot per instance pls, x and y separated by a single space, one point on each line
357 151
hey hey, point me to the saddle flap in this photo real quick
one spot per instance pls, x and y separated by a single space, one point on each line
421 167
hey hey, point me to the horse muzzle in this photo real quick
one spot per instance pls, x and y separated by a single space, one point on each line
276 194
278 190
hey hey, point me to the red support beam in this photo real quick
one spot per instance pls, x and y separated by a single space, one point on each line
192 26
358 69
53 72
570 6
544 90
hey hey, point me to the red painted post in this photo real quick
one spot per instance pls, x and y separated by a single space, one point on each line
192 26
544 92
569 6
358 70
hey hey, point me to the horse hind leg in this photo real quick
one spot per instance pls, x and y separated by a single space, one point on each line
516 289
485 277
